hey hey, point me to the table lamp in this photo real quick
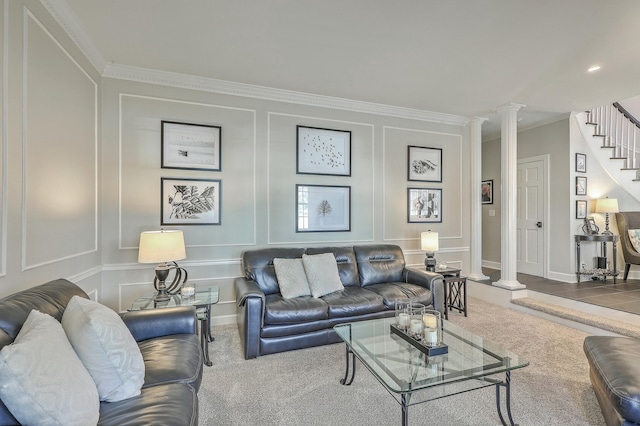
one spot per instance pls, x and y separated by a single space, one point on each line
162 247
607 205
429 243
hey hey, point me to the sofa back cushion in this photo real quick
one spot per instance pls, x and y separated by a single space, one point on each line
50 298
379 263
257 265
347 264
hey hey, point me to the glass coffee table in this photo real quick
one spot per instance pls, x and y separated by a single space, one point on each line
204 297
412 377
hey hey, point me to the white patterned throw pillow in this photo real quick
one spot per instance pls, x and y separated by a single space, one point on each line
322 273
42 381
106 347
634 236
292 279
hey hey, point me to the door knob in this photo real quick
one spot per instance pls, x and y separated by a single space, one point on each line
539 224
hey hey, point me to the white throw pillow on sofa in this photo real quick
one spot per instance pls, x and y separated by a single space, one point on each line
322 273
634 236
42 381
106 347
292 279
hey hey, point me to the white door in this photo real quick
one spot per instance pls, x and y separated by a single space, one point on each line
530 215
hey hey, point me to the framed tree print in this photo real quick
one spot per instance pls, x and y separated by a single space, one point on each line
323 151
191 146
321 208
424 205
424 164
190 201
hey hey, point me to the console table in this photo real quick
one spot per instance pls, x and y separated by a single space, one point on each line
597 238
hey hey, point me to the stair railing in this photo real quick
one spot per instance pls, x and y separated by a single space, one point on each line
619 131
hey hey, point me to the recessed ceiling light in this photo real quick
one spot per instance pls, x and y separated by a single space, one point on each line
594 68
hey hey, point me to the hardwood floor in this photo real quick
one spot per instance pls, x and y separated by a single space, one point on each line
623 296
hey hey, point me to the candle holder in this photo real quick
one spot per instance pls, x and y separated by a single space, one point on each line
417 324
432 327
403 314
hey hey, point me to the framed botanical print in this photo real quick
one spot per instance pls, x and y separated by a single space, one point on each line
323 208
581 209
581 185
487 191
190 201
581 163
424 164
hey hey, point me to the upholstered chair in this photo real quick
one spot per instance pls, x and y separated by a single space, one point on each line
627 221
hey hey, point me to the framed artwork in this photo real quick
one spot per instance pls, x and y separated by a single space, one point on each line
190 201
487 191
581 163
590 226
581 209
321 208
424 205
581 185
191 146
323 151
425 164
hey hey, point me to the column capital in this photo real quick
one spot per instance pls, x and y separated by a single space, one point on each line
477 120
511 106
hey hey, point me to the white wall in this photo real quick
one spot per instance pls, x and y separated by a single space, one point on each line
50 160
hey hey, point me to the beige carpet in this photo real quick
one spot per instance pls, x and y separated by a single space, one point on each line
302 387
615 326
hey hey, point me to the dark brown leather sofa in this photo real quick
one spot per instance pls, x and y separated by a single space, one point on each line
170 347
374 276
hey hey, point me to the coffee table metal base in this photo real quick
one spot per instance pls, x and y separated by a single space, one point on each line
350 373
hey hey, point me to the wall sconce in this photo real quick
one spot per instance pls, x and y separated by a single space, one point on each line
430 244
162 247
607 205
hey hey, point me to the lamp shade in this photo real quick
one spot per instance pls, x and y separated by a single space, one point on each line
161 246
429 241
607 205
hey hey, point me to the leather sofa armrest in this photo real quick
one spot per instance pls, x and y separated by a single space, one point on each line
147 324
245 289
431 280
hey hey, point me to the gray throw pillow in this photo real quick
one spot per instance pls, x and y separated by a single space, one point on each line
292 279
322 273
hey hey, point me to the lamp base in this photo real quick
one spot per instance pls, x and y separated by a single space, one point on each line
430 263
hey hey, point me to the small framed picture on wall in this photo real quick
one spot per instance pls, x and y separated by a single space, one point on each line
424 205
581 185
487 191
191 146
581 163
581 209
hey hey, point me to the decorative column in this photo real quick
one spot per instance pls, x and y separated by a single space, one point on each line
508 198
475 163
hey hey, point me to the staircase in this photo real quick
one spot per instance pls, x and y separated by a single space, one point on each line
619 133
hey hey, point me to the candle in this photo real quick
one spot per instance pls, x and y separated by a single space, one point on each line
403 320
416 326
188 291
431 336
430 321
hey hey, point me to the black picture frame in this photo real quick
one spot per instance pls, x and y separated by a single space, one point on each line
581 185
321 151
190 146
424 164
581 209
323 208
487 191
424 205
190 201
581 163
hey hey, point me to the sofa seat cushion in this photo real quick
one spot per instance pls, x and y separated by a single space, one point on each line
169 404
279 310
353 301
615 369
176 358
399 290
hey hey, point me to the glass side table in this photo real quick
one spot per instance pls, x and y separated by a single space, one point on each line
204 297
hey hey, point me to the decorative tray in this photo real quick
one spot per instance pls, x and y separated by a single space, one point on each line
428 350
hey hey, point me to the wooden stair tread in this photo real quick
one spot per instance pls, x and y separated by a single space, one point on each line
629 168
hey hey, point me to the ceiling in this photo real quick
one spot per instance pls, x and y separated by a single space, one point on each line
457 57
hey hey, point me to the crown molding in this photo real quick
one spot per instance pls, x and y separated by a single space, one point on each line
145 75
62 13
